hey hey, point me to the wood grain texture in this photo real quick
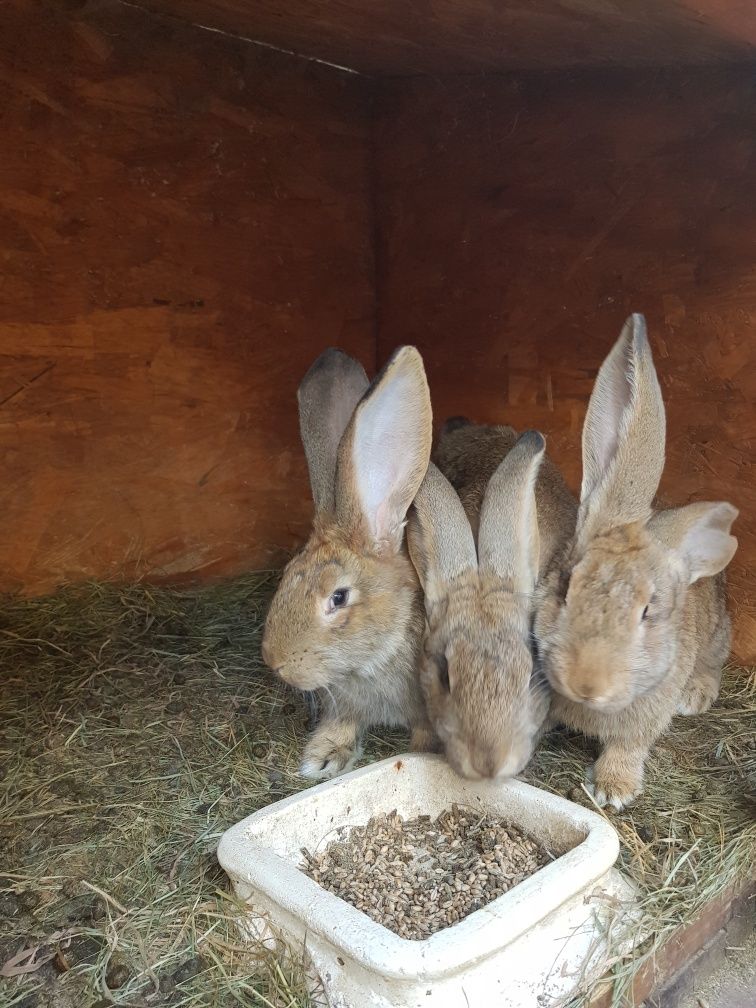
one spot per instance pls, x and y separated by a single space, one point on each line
680 951
184 224
523 219
446 37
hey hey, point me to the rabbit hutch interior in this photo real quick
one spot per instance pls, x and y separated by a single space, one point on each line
197 199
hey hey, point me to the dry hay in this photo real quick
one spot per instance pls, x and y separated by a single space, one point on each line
692 835
138 724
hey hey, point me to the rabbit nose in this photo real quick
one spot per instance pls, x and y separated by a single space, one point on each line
587 692
588 674
510 767
487 765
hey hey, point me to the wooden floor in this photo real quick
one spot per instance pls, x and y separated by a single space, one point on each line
723 975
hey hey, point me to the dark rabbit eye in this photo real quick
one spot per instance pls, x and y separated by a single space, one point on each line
339 598
644 614
443 671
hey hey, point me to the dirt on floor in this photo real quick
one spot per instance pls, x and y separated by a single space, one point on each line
732 984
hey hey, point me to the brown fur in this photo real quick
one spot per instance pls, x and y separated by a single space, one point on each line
327 397
362 657
620 671
468 456
688 644
364 660
489 717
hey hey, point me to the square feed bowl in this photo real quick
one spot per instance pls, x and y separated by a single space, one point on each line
532 946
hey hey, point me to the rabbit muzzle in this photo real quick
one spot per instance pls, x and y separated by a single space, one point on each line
593 676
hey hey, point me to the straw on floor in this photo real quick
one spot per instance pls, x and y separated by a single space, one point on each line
138 724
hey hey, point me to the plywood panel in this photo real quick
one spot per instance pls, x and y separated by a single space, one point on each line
184 224
445 37
522 220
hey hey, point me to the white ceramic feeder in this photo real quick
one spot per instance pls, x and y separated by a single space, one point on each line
533 947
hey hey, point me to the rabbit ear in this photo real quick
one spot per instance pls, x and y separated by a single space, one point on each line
623 436
327 397
439 536
384 454
699 536
508 541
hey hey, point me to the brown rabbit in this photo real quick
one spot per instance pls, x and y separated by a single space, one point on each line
347 618
631 623
485 703
468 454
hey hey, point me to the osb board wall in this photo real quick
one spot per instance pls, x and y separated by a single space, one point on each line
183 218
523 219
446 37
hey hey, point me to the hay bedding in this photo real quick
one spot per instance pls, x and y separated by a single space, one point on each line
138 724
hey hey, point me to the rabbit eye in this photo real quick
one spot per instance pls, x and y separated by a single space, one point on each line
644 614
443 671
338 599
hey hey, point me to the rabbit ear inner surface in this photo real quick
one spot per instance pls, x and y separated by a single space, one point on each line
623 436
699 536
384 454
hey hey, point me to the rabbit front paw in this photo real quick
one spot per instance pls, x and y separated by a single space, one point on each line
612 784
697 698
332 750
424 739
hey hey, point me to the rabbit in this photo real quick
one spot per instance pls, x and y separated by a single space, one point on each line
468 454
631 623
484 700
347 618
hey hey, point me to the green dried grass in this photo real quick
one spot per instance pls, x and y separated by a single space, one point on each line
138 724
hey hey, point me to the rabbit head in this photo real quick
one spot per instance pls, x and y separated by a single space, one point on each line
476 669
609 609
348 600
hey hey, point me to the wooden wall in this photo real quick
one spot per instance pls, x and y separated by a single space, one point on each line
447 37
522 219
186 220
184 224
